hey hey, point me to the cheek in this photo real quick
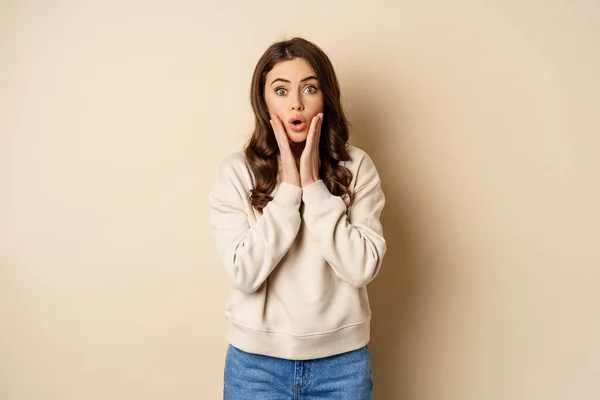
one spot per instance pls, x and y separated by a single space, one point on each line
273 104
316 103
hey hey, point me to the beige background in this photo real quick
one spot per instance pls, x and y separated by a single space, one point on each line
482 117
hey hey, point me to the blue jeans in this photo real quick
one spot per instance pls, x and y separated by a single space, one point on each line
344 376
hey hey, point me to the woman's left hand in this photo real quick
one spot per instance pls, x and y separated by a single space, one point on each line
310 161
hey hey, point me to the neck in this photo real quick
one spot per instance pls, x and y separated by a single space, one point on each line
297 149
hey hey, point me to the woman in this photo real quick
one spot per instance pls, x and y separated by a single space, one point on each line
296 220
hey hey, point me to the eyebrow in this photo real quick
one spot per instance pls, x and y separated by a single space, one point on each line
286 81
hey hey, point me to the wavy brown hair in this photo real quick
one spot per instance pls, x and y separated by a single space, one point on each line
261 150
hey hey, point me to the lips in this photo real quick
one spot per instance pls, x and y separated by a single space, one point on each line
297 123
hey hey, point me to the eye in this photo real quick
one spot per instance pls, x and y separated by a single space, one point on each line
280 91
310 89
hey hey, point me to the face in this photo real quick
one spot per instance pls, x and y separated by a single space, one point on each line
293 93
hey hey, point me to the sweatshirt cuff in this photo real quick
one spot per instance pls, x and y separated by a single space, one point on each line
315 192
288 196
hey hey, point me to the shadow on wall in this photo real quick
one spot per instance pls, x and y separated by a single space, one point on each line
399 288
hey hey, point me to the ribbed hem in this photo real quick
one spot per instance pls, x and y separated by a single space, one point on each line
299 347
315 192
288 196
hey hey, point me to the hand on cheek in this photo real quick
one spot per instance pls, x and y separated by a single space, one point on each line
310 161
290 170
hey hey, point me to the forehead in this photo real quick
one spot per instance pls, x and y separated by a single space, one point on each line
295 69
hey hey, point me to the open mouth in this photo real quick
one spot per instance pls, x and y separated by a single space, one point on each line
297 123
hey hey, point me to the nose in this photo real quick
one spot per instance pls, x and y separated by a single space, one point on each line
297 103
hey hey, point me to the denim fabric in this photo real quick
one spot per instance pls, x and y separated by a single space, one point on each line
344 376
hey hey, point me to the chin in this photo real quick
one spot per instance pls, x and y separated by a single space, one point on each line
297 137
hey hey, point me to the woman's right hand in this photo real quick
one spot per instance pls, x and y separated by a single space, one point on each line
290 169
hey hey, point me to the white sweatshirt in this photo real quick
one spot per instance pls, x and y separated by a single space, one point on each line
299 270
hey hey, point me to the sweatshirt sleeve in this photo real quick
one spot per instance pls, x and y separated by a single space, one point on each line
352 243
249 254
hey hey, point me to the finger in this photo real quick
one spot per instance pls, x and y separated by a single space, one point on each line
319 130
276 128
316 133
275 132
281 135
311 131
280 127
316 138
318 141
